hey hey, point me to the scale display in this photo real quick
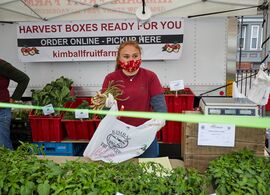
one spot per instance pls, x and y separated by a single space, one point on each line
228 106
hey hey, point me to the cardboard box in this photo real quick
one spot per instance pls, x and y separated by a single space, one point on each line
198 157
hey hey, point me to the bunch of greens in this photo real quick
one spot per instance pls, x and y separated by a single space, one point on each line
181 91
99 100
114 88
21 172
56 93
240 173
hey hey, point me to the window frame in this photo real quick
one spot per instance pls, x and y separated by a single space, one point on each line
261 39
244 36
252 37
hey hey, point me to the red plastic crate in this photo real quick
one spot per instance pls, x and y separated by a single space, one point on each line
180 102
158 135
267 106
46 128
171 132
72 91
80 129
77 129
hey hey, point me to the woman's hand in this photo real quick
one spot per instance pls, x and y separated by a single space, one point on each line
99 101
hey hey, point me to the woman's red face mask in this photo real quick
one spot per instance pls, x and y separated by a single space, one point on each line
129 58
130 66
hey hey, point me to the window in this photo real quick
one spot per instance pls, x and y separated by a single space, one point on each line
242 39
261 38
254 37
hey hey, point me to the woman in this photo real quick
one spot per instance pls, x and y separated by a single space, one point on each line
7 73
141 88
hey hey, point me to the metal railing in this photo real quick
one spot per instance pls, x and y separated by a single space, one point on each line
244 79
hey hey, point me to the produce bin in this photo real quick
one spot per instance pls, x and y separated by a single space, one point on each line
80 129
158 136
77 129
61 149
46 128
176 103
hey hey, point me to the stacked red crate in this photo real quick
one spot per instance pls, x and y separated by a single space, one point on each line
176 103
46 128
80 129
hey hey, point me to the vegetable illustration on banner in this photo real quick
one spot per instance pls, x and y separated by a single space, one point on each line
172 47
160 39
29 51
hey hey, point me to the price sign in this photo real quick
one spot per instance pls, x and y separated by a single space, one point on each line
48 109
216 135
81 114
176 85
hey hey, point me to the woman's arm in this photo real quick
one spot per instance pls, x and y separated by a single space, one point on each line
12 73
158 103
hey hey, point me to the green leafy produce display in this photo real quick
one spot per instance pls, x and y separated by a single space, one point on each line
182 91
240 173
21 172
56 93
20 114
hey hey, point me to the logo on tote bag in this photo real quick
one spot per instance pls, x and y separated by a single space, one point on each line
117 139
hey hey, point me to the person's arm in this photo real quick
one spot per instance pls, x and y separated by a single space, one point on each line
158 103
18 76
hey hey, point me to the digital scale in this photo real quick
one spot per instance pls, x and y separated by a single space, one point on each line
228 106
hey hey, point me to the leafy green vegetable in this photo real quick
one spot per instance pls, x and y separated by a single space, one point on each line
240 173
56 93
20 114
21 172
181 91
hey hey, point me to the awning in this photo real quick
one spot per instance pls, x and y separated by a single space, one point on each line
38 10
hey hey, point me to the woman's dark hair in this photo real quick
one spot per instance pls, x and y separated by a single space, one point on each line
121 46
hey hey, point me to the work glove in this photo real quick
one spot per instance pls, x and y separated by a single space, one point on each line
109 100
158 122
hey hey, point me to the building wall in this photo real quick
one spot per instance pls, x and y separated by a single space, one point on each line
250 57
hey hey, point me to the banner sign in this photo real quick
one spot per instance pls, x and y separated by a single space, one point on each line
160 39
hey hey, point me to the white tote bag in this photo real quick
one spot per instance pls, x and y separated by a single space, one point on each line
115 141
260 89
236 93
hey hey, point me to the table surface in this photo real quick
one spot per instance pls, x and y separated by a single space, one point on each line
62 159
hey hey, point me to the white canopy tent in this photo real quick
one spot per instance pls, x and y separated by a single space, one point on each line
192 63
36 10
